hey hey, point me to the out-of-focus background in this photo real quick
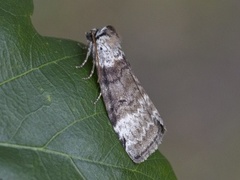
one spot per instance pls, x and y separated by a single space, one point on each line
187 57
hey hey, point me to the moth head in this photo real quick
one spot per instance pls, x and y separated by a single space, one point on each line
108 33
91 35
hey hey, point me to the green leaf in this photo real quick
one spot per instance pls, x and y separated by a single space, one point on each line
49 126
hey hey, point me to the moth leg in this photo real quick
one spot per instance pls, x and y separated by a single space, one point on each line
87 56
92 71
99 96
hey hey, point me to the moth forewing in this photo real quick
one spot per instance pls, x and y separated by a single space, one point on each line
130 110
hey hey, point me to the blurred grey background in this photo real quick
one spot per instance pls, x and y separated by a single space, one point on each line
187 57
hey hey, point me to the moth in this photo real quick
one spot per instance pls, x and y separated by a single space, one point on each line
132 114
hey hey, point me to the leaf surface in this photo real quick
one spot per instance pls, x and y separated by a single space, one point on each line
49 126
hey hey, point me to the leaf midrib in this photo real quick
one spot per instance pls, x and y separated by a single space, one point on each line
37 68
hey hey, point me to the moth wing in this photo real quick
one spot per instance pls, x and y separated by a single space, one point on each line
131 112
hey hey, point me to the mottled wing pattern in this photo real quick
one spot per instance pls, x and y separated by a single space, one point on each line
132 114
